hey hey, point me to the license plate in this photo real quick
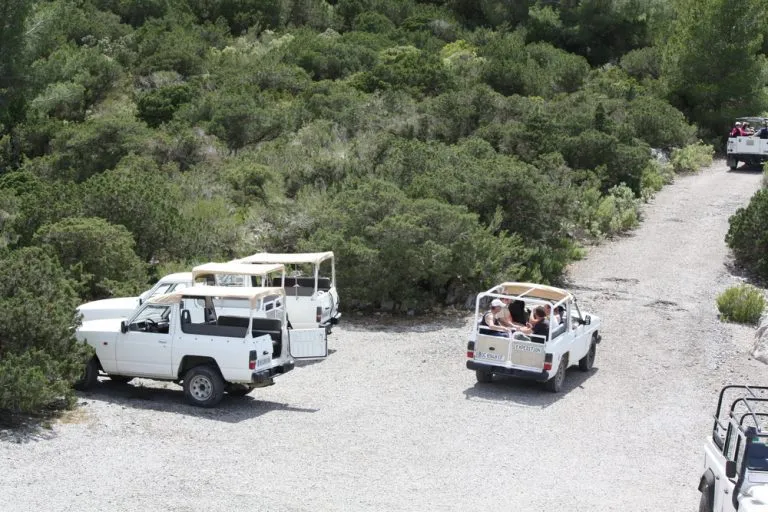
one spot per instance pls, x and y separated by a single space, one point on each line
526 348
487 355
263 362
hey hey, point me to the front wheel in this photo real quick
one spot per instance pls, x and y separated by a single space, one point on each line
588 361
203 386
484 376
555 384
90 375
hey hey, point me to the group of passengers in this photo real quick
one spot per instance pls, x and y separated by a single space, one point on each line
745 130
507 316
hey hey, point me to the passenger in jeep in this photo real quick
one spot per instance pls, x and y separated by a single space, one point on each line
540 322
489 324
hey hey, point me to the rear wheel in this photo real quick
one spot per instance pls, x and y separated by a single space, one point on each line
90 375
588 361
203 386
555 384
484 376
732 163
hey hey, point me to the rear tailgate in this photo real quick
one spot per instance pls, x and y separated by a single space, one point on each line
518 351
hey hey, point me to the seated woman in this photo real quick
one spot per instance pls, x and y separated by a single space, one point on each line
489 324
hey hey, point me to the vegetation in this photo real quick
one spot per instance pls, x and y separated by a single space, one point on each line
445 144
748 234
742 304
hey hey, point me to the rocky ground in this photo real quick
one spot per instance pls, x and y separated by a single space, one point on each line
393 420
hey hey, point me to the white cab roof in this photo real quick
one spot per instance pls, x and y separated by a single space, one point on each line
533 290
314 258
236 268
252 294
178 277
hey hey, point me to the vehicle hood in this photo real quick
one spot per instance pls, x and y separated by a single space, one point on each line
105 327
755 498
119 307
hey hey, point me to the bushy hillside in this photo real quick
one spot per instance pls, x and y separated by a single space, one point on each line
436 147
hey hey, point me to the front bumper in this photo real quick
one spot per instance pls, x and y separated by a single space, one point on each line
541 376
262 376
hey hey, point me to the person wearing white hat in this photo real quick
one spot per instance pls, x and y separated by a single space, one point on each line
737 131
489 322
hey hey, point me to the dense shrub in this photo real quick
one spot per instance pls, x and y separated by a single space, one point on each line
39 356
692 158
747 234
742 304
98 255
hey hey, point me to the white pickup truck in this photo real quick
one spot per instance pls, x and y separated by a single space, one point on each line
750 149
181 337
543 356
311 296
219 274
735 476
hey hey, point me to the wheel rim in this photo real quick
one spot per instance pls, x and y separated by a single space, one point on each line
201 388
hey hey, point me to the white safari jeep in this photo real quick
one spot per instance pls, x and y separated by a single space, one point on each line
217 274
736 454
751 149
540 357
121 307
310 289
181 337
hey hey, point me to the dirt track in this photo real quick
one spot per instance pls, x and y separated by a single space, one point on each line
394 421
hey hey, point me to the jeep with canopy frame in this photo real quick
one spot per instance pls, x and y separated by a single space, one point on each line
538 357
750 149
310 289
210 353
735 474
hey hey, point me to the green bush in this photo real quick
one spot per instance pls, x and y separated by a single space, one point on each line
39 355
743 304
617 211
748 234
692 158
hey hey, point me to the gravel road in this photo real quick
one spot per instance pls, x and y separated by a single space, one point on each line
393 420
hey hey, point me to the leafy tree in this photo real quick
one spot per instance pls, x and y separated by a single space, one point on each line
712 62
158 106
39 356
98 255
12 17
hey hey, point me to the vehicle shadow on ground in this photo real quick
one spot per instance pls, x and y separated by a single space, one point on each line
745 170
524 393
171 400
408 324
309 362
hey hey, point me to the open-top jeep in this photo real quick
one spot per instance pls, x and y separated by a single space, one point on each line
216 274
750 149
542 357
736 454
183 337
310 288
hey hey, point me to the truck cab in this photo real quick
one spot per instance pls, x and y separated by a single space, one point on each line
570 339
735 476
185 338
310 288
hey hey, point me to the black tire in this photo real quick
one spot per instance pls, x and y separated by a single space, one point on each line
239 389
484 376
203 386
90 375
732 163
555 384
706 503
120 379
588 361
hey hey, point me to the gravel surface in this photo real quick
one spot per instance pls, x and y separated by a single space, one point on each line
393 420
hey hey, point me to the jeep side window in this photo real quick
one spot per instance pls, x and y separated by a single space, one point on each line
153 318
215 324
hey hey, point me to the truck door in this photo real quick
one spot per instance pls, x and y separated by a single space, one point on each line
308 343
145 349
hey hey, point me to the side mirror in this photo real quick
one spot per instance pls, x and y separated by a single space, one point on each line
730 469
588 320
123 327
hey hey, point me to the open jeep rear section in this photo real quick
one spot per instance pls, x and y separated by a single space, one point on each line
570 338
